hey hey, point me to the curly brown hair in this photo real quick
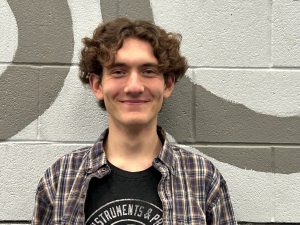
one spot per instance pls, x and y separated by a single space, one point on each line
99 51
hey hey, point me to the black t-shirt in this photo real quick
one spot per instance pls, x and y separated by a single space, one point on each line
124 197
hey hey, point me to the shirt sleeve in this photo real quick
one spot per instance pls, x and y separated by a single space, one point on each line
219 209
42 214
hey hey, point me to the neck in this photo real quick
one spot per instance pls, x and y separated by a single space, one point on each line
132 148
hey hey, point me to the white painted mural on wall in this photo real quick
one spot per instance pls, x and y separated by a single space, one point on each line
244 79
9 35
271 92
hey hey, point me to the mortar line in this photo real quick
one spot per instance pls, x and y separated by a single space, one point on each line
271 33
274 182
273 159
242 144
193 109
39 64
37 142
39 101
246 68
15 221
46 64
194 144
118 8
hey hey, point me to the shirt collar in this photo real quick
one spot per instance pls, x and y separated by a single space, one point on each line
97 158
167 153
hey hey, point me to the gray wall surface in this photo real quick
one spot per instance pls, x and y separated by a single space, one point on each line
238 105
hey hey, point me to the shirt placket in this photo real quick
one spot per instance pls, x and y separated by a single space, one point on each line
164 192
80 220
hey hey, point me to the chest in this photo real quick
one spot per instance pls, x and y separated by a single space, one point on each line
180 200
124 196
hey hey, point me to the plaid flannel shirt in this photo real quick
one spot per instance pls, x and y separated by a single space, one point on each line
191 189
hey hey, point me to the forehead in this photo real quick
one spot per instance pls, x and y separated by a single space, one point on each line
135 50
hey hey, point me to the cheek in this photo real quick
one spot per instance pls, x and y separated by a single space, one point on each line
157 86
157 91
110 89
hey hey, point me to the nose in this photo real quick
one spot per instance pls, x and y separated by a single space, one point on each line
134 84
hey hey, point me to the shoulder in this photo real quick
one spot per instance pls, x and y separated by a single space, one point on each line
193 163
58 179
65 166
73 159
189 155
202 178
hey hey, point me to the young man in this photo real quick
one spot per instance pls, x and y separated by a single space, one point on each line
132 174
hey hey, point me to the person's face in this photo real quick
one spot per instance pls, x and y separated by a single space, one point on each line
132 88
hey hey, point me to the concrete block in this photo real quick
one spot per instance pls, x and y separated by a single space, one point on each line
234 105
279 166
74 115
251 191
248 158
19 100
21 167
252 194
45 32
287 160
28 91
86 16
51 82
223 33
21 222
176 116
109 9
286 33
287 197
112 9
250 223
135 10
29 133
9 33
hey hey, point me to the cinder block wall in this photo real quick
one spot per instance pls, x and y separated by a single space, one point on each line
239 104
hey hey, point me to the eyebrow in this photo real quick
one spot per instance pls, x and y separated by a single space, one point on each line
149 65
120 64
116 65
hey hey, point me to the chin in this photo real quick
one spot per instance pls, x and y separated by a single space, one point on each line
138 121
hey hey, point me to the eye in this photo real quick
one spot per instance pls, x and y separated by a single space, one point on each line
149 72
118 72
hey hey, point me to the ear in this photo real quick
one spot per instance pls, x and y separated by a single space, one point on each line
95 84
169 86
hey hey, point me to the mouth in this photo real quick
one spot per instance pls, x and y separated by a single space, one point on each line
134 101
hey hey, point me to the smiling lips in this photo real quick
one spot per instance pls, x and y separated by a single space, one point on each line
134 101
